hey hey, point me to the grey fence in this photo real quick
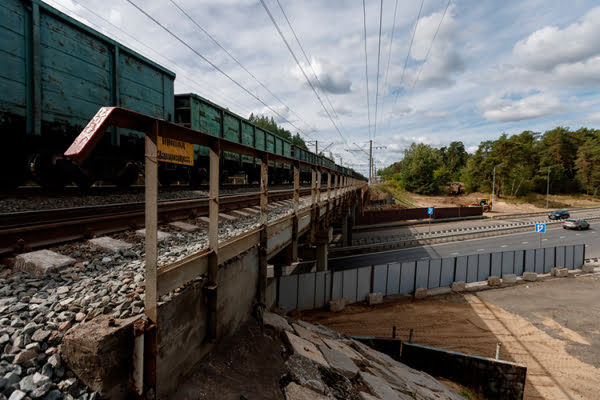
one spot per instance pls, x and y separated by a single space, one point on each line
315 289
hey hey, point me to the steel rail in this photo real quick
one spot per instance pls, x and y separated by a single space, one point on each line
33 229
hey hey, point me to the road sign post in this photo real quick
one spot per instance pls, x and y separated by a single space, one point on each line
430 212
541 228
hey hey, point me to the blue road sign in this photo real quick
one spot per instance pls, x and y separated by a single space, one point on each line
430 210
541 228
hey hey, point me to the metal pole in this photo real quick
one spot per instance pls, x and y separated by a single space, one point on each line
493 185
370 162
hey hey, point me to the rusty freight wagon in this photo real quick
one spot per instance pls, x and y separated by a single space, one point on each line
55 74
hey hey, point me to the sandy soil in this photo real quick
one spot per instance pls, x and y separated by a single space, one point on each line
552 327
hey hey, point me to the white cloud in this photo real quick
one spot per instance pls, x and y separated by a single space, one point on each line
550 46
593 118
333 77
503 109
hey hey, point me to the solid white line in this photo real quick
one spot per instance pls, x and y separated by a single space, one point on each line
524 242
453 254
504 245
480 249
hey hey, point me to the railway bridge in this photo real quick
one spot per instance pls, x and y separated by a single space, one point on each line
213 292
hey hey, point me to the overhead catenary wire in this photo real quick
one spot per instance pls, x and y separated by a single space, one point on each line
238 62
431 45
302 69
213 65
367 67
378 61
309 64
389 57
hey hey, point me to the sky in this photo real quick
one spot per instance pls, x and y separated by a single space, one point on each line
439 71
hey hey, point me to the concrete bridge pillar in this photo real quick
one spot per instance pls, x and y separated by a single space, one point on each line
321 256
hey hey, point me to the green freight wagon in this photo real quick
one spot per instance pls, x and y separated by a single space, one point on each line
55 74
197 113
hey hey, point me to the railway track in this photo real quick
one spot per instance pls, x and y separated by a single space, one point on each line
33 229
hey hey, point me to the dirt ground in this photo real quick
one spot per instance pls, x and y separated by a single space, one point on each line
553 327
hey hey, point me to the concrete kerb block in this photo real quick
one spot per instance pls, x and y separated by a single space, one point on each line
337 305
159 234
561 272
421 293
588 268
509 278
42 262
530 276
458 286
493 281
110 244
375 298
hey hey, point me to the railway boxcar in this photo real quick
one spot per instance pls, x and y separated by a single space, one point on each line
198 113
56 73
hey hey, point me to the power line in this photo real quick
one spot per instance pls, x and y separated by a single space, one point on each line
431 45
367 67
237 61
301 69
408 52
387 71
310 64
378 60
213 65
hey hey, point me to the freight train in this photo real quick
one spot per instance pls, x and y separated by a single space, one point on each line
55 73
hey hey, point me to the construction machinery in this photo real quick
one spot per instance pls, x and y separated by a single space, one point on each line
456 188
485 204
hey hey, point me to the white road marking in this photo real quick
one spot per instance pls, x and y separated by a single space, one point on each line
480 249
524 242
562 237
454 254
578 234
544 239
504 245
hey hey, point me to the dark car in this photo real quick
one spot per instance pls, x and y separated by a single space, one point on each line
559 214
578 224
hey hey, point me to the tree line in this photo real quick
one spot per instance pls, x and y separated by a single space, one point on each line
522 161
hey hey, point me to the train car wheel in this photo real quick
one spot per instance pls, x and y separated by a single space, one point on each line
127 176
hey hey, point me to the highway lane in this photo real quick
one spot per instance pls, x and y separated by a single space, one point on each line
515 241
442 226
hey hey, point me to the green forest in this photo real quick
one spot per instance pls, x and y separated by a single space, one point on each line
522 164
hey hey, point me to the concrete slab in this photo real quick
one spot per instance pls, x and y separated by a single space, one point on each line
42 262
305 372
339 362
509 278
588 268
226 217
375 298
305 349
184 226
251 211
337 305
239 213
276 322
378 387
344 348
308 335
293 391
561 272
110 244
367 396
160 234
458 286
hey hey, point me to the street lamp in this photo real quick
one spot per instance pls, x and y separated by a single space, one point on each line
494 184
548 183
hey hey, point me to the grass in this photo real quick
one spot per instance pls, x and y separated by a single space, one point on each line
398 193
466 394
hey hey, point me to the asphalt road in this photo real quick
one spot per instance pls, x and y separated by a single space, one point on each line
515 241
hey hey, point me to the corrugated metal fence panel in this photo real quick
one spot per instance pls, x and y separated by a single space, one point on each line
579 255
569 257
472 268
321 289
484 267
508 262
393 280
496 269
435 273
364 283
530 260
461 268
407 277
548 259
539 261
306 291
519 262
447 271
336 291
422 274
288 292
560 256
350 282
380 278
